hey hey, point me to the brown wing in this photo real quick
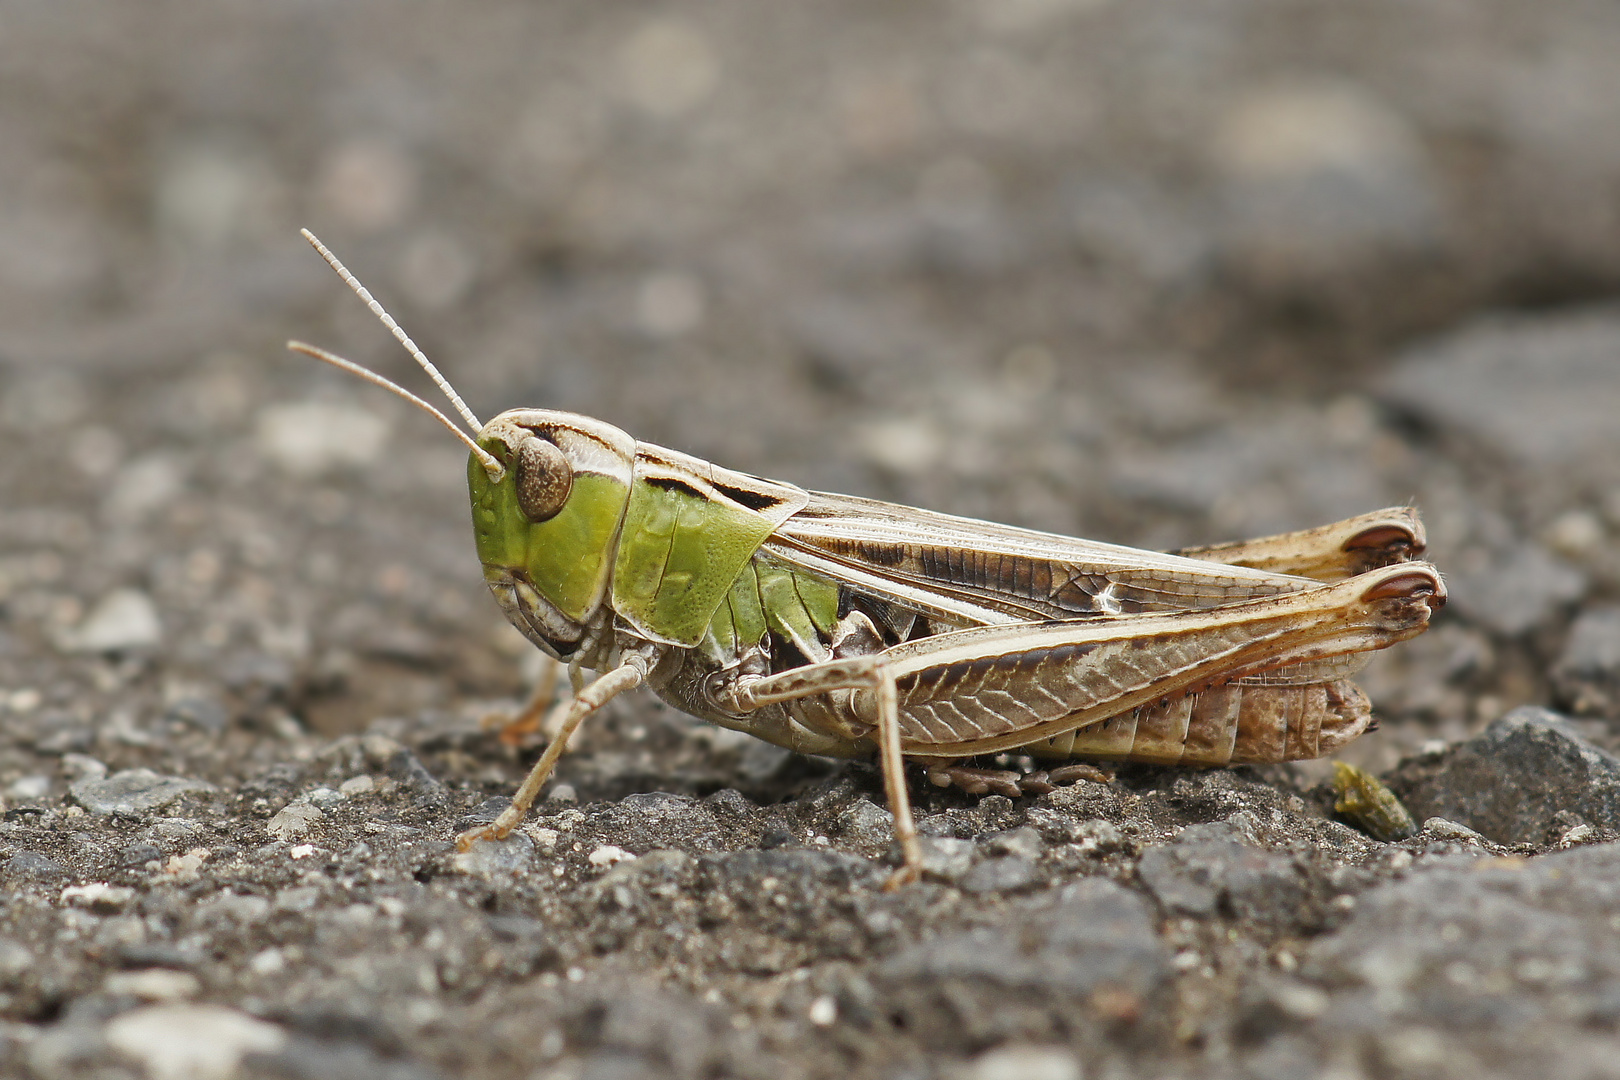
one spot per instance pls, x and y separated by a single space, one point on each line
970 572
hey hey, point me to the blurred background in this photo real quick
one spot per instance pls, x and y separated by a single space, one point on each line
1157 273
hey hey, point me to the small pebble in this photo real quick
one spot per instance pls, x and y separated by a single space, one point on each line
545 838
303 898
823 1011
1442 829
607 855
268 961
294 820
357 785
98 896
28 788
1006 873
186 867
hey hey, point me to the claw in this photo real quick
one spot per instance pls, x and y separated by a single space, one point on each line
466 840
905 875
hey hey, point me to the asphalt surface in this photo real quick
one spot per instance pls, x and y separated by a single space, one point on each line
1154 274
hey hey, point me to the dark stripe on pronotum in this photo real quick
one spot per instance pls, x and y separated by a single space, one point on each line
673 483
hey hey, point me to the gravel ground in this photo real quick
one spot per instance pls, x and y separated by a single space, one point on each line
1160 274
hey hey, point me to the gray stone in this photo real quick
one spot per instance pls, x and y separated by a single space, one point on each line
946 857
1094 934
759 760
1517 590
1209 870
1509 782
1505 947
134 791
1587 676
32 866
1023 841
1006 873
496 859
866 821
1544 390
407 768
138 854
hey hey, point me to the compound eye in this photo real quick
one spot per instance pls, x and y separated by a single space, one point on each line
544 479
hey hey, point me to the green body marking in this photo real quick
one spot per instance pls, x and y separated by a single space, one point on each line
679 554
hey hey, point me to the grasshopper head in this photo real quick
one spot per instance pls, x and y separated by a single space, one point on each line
547 523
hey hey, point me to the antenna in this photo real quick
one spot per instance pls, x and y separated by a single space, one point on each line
404 339
491 465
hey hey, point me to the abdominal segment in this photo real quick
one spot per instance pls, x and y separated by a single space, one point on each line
1235 724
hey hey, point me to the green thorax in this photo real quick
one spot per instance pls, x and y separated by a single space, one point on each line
691 528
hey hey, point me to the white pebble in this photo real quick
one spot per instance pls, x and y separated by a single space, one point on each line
1026 1063
125 619
191 1042
314 437
154 984
268 961
98 896
823 1011
607 855
357 785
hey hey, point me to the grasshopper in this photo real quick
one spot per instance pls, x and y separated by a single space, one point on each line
842 626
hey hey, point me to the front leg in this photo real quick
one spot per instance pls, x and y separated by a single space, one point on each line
631 672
